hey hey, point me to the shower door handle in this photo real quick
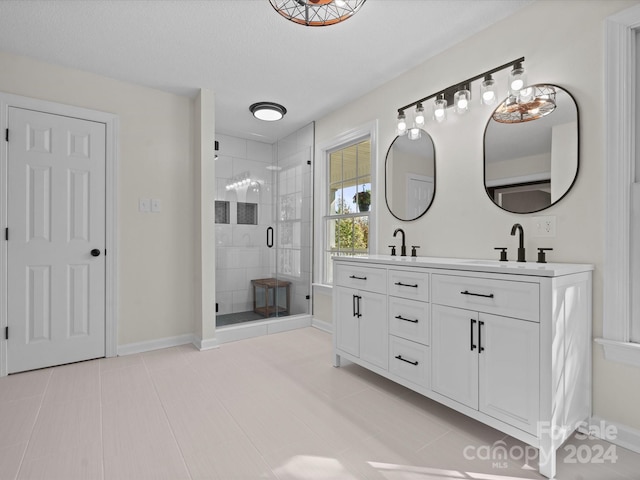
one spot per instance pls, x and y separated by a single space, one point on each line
270 237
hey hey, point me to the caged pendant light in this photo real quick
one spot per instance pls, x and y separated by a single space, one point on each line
317 13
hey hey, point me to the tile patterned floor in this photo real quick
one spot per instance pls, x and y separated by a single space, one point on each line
267 408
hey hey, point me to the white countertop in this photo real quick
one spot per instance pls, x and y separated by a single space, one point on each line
476 265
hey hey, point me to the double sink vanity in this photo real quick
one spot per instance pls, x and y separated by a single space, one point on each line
506 343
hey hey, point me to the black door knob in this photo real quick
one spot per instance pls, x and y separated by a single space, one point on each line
95 252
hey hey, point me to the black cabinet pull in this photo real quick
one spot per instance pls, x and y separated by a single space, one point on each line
466 292
400 317
270 237
471 325
406 285
354 305
399 357
357 278
481 348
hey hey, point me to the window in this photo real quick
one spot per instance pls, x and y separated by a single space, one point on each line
621 312
349 203
346 197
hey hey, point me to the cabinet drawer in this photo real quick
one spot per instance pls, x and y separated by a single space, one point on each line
364 278
500 297
408 360
409 319
413 285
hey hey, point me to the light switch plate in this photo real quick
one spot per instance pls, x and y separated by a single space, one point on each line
144 205
156 205
544 226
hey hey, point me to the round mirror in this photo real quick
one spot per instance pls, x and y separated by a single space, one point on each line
410 175
531 149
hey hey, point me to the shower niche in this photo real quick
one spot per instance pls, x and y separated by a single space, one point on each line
263 228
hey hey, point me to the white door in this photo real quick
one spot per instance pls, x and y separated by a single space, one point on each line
56 221
347 321
374 330
454 354
509 371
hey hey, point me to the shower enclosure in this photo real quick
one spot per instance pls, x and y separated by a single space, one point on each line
263 221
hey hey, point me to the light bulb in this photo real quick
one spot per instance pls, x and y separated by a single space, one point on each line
340 3
517 79
488 92
402 124
440 109
414 133
419 118
461 100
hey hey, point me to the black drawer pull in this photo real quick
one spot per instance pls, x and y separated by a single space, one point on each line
400 317
399 357
357 278
466 292
406 285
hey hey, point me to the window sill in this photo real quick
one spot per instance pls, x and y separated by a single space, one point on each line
623 352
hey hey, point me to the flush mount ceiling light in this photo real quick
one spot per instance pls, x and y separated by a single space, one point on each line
267 111
317 13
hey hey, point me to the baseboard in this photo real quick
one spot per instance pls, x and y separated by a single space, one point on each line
233 333
322 325
624 436
207 344
157 344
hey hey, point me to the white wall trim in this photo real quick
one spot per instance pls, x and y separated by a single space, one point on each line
111 122
625 436
623 352
619 125
156 344
241 331
321 173
322 325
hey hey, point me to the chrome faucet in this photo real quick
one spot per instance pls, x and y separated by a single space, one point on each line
403 247
517 227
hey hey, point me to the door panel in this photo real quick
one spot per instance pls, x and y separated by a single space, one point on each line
56 216
454 354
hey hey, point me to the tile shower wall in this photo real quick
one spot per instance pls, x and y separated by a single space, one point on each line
243 174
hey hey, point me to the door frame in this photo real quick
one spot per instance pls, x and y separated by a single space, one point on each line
111 122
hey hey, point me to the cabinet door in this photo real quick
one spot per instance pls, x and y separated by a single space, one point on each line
454 354
347 323
374 331
509 371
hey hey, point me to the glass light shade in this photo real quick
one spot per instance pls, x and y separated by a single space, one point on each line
526 95
402 124
488 91
461 100
440 110
414 133
517 79
419 118
268 111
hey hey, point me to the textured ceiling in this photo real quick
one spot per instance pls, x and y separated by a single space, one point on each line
243 50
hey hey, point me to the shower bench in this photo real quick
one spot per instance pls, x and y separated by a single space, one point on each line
270 284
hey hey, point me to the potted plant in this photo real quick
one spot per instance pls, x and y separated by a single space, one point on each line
363 199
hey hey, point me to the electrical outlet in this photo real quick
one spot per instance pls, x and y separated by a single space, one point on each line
144 205
156 205
544 226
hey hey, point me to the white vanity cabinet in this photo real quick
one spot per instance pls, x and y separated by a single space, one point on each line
506 343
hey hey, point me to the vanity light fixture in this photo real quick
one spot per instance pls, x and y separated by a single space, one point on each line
419 118
317 13
458 95
414 133
461 100
488 94
268 111
402 124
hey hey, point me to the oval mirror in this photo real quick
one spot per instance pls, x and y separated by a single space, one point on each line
531 149
410 175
